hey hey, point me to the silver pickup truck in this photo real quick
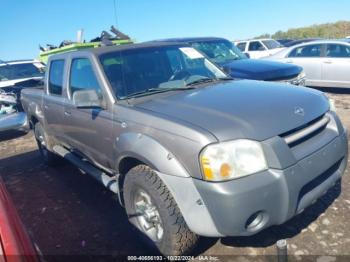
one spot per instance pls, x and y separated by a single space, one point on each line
189 151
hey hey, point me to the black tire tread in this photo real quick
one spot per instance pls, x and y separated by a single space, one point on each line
182 240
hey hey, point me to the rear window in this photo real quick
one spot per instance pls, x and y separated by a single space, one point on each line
56 77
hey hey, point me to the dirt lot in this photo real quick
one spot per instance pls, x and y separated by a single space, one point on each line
67 213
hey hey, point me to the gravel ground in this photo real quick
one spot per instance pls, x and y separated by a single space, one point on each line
67 213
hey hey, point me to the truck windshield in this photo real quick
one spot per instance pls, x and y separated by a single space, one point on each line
151 69
19 71
271 44
219 51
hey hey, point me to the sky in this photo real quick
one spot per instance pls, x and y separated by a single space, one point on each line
24 24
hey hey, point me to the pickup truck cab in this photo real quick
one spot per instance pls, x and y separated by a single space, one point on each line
189 151
258 48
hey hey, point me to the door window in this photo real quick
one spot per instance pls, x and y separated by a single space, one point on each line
306 51
82 76
337 51
56 77
256 46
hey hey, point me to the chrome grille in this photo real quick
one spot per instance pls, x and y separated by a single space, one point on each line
305 132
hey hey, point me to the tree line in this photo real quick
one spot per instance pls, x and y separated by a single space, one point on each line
340 29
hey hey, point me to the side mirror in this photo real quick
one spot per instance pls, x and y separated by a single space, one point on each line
247 55
87 99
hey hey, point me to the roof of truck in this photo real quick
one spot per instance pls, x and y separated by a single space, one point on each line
189 39
108 49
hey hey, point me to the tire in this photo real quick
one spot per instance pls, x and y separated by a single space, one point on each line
49 158
176 238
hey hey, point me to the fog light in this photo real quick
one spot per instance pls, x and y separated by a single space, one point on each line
256 221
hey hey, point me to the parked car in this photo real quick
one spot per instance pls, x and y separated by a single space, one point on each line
14 77
301 41
188 151
257 48
15 244
326 62
12 72
10 116
237 65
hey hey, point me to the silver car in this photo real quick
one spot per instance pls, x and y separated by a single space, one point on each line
326 62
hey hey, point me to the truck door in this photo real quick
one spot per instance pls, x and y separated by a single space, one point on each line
53 104
88 130
257 50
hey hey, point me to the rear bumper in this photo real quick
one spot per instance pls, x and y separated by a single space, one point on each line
15 121
245 206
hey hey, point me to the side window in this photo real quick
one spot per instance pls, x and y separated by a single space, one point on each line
256 46
241 46
335 50
306 51
82 76
56 77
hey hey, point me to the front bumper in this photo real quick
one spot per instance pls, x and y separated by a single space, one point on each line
247 205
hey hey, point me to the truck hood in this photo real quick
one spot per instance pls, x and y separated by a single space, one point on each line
261 69
242 108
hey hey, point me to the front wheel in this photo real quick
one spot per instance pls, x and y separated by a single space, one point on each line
152 209
50 158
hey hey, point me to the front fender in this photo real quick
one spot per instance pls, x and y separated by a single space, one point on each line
149 151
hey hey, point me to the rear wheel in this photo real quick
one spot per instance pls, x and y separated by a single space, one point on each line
50 158
152 209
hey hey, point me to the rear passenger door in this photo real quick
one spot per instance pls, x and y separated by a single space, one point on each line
53 100
88 130
336 66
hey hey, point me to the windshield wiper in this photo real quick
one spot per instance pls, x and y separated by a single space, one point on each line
225 78
151 91
200 81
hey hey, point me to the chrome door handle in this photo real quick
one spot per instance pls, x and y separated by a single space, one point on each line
67 113
328 61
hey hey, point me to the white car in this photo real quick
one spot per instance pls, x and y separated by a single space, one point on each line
326 62
12 72
258 48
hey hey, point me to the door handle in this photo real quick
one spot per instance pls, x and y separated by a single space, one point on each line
66 113
328 61
46 107
289 61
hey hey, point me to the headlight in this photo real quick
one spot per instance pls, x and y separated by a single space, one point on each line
332 105
301 75
230 160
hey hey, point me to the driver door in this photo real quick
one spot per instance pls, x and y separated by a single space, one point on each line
88 130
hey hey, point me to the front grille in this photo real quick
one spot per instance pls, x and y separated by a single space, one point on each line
301 134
